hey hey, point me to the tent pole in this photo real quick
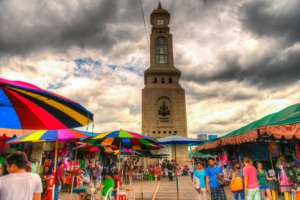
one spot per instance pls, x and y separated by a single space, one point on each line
142 183
176 177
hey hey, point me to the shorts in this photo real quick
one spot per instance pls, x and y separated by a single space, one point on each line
253 194
264 187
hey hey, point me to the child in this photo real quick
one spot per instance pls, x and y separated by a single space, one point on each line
200 178
108 186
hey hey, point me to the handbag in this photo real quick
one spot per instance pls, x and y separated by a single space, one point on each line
196 183
221 180
236 184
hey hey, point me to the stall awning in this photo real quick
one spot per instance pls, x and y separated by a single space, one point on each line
282 124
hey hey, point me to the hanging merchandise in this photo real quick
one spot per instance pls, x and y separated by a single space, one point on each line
223 158
273 148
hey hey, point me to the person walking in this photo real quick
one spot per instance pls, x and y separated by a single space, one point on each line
19 184
236 185
263 179
200 176
171 168
215 180
251 180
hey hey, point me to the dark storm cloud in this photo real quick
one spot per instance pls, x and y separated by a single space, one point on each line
275 70
59 25
278 20
273 18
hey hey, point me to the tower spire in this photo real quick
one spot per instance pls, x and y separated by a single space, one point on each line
159 5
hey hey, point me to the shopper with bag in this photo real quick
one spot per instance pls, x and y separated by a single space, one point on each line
215 180
236 185
200 181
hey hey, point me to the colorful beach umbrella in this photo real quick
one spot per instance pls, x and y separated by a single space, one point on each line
126 139
26 106
62 135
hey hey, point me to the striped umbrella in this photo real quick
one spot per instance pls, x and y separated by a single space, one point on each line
61 135
126 139
26 106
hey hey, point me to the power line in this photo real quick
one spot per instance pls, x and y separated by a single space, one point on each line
145 25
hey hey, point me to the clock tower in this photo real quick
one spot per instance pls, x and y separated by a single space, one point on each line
163 98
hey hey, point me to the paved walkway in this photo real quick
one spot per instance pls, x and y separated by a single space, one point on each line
159 190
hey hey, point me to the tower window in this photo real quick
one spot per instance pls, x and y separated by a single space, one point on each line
162 80
170 80
155 80
161 50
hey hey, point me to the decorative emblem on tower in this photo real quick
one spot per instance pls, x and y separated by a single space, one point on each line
164 110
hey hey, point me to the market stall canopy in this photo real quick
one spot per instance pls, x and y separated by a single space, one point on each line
26 106
282 124
178 140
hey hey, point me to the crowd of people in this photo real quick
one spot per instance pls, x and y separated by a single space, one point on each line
247 180
19 179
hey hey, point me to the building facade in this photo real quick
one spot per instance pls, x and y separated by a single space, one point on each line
163 98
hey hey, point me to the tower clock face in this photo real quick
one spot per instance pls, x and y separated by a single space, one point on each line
160 22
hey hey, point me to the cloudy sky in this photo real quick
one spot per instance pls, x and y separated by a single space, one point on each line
240 60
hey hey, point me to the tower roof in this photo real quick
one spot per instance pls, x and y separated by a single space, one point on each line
160 10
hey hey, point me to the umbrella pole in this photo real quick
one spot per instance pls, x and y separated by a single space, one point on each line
55 157
176 177
142 183
54 169
119 171
73 176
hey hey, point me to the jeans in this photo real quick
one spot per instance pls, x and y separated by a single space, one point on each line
57 191
240 194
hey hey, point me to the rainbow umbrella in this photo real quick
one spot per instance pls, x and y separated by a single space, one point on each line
126 139
61 135
26 106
